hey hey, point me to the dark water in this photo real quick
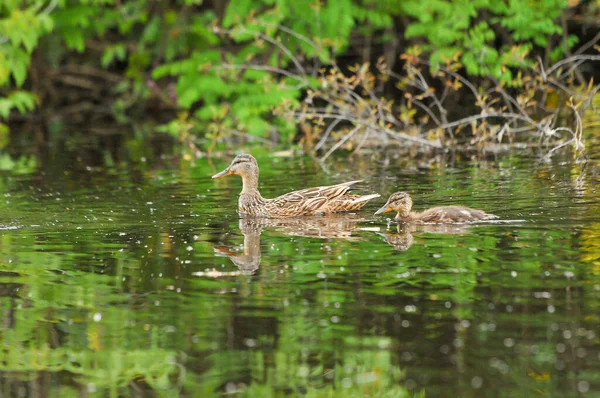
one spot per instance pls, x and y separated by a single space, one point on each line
142 281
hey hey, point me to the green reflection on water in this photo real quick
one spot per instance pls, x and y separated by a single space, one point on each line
145 283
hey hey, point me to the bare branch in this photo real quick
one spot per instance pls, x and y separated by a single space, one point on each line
327 132
574 58
365 123
265 37
340 142
266 68
587 45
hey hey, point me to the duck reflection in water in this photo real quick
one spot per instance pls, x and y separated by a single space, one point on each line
249 260
329 226
403 238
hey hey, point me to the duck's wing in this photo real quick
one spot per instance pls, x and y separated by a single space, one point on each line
310 200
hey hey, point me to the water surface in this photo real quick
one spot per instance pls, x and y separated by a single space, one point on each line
140 281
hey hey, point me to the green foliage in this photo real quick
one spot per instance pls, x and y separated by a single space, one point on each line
21 26
457 28
72 24
116 52
20 30
236 69
22 165
23 101
238 90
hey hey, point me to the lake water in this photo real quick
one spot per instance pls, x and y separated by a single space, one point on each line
142 281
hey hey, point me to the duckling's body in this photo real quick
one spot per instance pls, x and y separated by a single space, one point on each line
310 201
447 214
401 202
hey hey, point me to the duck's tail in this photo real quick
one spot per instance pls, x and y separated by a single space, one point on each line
365 198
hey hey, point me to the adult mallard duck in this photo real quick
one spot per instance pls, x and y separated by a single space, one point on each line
310 201
402 203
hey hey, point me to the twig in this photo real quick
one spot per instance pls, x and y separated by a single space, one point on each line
428 111
262 36
565 34
437 103
340 142
578 130
457 76
563 87
326 135
572 69
362 141
590 98
511 100
251 137
574 58
364 123
50 7
587 45
292 33
422 141
504 115
556 148
263 68
577 135
542 70
92 72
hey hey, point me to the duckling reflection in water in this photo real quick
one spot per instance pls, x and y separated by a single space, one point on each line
305 202
403 238
401 202
329 226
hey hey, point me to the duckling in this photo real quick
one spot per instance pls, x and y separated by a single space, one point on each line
402 203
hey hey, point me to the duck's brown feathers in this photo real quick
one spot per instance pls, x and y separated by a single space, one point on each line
325 199
304 202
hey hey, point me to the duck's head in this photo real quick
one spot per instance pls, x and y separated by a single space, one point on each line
400 202
242 165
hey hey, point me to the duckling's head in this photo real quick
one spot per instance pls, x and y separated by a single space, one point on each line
242 165
400 202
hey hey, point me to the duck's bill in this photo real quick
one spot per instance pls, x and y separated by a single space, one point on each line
384 209
224 173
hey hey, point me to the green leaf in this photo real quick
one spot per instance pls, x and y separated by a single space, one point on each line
5 107
23 101
4 134
111 53
236 11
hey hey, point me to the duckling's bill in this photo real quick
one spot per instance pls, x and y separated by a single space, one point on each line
384 209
